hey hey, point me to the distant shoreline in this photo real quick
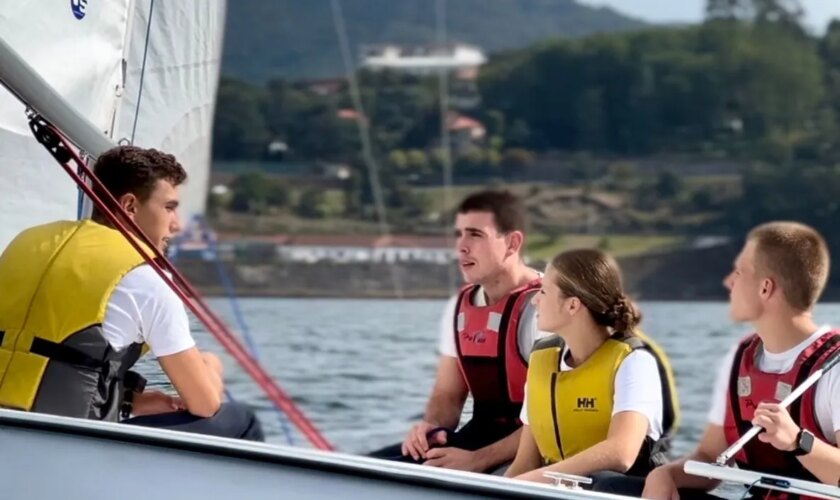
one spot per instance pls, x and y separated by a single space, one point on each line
674 276
220 293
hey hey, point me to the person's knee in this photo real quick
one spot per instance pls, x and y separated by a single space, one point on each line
241 421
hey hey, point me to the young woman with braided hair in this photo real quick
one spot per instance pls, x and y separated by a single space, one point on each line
600 396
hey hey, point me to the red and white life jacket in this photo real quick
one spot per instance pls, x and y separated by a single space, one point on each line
486 338
749 386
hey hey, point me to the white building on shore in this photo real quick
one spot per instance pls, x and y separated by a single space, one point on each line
459 58
340 249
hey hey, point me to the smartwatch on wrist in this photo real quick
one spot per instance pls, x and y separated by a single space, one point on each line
804 443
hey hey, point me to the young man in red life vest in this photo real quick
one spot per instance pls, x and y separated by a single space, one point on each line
777 279
487 332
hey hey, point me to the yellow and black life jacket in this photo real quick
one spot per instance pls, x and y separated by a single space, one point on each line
570 411
56 280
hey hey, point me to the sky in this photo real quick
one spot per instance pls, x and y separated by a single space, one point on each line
818 12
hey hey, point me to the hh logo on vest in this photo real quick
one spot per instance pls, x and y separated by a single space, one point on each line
586 404
476 338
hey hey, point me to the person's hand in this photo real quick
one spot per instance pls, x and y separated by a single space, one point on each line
659 485
416 442
155 402
454 458
779 428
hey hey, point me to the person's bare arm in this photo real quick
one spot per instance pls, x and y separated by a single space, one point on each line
155 402
443 409
781 432
216 369
664 481
480 460
198 383
528 456
503 450
824 461
448 395
618 452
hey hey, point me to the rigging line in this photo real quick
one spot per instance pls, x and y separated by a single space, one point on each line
445 142
363 124
208 236
80 199
143 69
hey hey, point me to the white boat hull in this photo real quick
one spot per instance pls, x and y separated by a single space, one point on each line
44 456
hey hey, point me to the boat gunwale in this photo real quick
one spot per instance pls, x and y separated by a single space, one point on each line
333 462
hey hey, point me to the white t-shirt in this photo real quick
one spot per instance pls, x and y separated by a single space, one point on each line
826 399
527 334
635 377
142 308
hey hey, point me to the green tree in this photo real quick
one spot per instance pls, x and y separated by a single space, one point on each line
804 194
668 185
494 121
249 193
278 195
787 13
723 87
701 200
398 159
519 134
729 9
516 161
604 244
418 162
471 163
239 129
623 175
312 204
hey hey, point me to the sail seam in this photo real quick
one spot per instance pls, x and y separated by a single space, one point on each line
143 69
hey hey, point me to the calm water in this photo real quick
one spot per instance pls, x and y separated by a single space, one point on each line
362 369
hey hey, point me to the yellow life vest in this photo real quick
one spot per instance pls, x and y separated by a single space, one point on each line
570 411
57 279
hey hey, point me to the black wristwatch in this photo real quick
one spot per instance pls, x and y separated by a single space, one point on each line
804 443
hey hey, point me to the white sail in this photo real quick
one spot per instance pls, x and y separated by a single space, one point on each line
77 47
181 42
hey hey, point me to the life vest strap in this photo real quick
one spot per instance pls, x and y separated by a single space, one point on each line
64 354
808 367
134 382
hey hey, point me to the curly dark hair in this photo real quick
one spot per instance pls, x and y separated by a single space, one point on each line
135 170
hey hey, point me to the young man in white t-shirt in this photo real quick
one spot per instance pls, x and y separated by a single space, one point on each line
486 335
776 281
143 309
86 350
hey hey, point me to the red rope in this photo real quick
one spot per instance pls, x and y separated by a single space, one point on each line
159 262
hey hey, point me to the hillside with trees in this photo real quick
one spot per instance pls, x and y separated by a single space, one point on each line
267 39
704 129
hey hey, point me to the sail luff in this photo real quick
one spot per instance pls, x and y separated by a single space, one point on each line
175 53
